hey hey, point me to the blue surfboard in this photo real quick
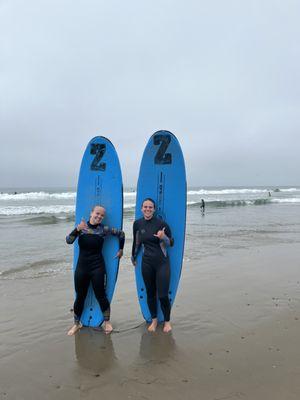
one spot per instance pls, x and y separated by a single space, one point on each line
100 183
162 177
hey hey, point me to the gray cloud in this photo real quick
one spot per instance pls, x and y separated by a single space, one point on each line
223 76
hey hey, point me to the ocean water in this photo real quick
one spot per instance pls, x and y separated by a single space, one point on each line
34 223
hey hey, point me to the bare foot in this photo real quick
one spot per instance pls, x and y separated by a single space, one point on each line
167 327
152 327
107 327
75 328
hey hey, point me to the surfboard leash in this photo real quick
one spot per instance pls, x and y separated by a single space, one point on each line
119 330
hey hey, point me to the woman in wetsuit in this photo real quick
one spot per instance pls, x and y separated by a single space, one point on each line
90 265
155 236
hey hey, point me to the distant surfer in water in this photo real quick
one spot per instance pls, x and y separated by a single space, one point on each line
91 266
155 236
202 206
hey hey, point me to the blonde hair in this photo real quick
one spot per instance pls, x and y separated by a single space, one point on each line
97 205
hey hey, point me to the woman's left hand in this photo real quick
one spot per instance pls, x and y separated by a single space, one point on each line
119 254
160 234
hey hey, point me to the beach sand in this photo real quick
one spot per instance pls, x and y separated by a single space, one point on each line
236 335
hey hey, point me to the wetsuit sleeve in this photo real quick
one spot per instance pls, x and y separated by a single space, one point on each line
72 236
115 232
168 240
136 242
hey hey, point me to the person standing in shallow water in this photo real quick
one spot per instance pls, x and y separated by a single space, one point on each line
202 206
154 235
90 266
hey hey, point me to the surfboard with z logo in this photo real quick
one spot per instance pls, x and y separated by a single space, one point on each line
162 177
100 183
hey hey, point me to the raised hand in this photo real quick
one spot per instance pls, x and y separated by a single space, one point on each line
82 225
160 234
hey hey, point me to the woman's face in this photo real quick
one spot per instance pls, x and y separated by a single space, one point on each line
148 209
97 215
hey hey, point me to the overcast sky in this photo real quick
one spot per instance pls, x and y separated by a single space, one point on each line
222 75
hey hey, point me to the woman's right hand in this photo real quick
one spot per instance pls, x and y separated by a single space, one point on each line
82 225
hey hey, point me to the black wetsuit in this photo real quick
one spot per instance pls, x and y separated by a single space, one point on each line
155 262
91 266
202 206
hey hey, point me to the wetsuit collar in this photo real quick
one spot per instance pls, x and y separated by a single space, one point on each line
92 226
148 220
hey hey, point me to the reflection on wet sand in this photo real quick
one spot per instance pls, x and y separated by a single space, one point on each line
158 346
94 350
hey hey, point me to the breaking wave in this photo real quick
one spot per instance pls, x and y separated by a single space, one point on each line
239 191
55 214
35 196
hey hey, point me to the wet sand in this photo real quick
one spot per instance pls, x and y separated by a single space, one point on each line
236 336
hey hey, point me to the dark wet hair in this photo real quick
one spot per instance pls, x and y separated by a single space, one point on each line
97 205
149 199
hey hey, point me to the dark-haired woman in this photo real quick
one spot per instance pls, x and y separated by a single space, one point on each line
154 235
90 265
